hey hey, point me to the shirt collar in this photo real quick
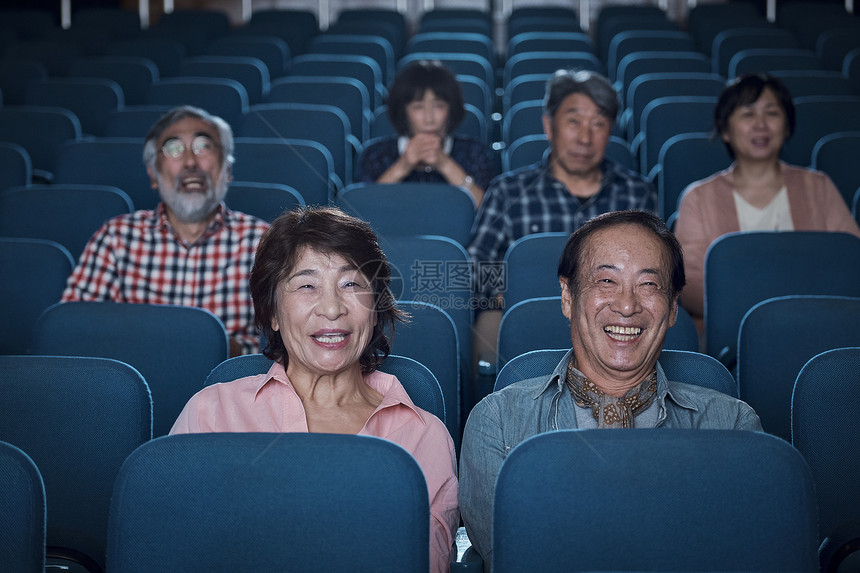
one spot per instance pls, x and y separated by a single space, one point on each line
607 170
664 389
219 221
393 392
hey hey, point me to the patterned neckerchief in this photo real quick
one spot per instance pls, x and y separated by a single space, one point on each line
609 411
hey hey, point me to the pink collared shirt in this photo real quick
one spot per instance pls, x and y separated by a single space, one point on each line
268 403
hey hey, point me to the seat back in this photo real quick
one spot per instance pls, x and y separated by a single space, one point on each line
742 269
361 68
134 75
272 51
165 52
430 337
684 159
648 87
17 75
392 21
265 201
631 41
523 119
801 83
526 87
547 63
251 72
760 473
543 19
295 27
134 120
420 383
114 161
531 263
378 48
33 274
666 117
300 163
731 41
41 131
461 64
545 41
633 65
56 55
705 21
457 42
475 20
531 324
818 116
772 350
67 214
411 209
255 502
90 99
15 166
78 418
435 270
752 60
226 98
825 429
833 154
173 347
348 94
477 93
325 124
614 20
22 505
678 365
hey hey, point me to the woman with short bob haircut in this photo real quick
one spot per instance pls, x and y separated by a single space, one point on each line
320 285
754 116
425 106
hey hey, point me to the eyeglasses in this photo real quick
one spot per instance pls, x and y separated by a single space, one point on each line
201 146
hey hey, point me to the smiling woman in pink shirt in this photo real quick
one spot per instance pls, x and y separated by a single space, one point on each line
321 298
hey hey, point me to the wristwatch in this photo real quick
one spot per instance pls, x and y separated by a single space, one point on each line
467 182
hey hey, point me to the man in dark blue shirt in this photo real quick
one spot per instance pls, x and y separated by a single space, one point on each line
575 183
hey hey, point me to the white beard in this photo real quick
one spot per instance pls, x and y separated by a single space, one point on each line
193 206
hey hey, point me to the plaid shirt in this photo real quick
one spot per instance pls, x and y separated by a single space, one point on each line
137 258
530 200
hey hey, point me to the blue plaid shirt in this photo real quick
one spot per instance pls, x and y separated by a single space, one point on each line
530 200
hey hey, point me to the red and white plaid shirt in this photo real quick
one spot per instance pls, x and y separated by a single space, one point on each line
137 258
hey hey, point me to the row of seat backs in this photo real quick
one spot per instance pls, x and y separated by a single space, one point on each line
86 469
818 119
820 384
822 423
148 481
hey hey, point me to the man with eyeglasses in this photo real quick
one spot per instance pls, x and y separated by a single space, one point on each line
191 250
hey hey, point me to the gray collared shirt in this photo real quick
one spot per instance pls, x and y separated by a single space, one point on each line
505 418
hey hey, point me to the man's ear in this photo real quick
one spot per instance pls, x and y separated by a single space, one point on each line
566 298
547 126
153 181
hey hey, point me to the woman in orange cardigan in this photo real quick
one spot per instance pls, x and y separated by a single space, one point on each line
758 192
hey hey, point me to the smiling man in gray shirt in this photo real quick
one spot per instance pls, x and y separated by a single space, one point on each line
621 275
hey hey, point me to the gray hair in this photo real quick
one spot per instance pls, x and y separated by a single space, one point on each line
566 82
225 133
